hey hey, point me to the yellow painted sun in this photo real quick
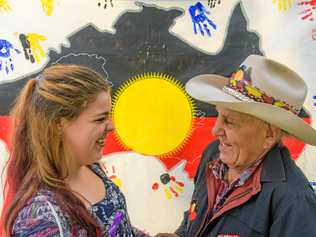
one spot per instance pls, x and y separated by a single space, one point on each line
153 115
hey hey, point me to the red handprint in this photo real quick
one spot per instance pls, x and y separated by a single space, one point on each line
308 13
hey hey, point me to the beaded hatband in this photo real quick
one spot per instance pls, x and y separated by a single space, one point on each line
240 87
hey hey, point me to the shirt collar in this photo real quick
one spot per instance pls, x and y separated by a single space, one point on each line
220 169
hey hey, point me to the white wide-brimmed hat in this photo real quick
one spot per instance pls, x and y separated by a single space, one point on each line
262 88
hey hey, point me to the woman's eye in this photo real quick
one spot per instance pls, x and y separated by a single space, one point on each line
100 120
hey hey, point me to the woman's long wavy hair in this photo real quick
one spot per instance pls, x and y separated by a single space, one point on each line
38 157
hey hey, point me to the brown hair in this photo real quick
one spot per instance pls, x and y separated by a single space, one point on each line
38 155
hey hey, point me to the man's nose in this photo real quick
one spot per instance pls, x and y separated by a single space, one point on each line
218 129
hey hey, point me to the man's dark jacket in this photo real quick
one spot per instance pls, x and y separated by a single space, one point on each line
276 201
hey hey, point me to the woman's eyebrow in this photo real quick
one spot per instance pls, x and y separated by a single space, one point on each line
104 113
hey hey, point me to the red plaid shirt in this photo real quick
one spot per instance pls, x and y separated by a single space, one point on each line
220 171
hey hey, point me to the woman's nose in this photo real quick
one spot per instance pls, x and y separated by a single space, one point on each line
109 125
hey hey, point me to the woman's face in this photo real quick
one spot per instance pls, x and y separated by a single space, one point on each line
84 136
243 138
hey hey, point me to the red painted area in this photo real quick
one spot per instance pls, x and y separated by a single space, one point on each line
5 125
307 2
307 13
173 191
155 186
180 184
191 152
314 34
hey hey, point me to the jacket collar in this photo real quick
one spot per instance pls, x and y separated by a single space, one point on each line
273 167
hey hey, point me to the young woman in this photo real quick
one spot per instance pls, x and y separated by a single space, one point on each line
54 185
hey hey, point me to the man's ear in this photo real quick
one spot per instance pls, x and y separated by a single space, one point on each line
273 135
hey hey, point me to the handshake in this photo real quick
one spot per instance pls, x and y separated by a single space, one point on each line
166 235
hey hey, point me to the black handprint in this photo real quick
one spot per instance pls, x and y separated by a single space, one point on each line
213 3
106 3
26 48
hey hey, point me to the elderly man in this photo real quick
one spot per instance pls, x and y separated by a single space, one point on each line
247 184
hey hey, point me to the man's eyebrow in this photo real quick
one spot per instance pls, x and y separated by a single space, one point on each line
232 117
226 115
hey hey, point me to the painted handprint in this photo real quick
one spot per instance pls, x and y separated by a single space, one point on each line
6 62
48 6
213 3
31 46
112 175
199 18
283 5
4 6
170 186
309 9
106 3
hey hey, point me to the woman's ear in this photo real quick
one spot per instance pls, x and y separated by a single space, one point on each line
61 125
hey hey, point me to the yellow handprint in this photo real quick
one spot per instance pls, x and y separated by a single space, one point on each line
4 6
283 5
115 179
48 6
35 46
31 46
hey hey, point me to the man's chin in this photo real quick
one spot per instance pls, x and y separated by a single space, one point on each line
227 159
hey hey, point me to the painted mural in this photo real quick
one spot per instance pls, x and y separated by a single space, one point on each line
148 50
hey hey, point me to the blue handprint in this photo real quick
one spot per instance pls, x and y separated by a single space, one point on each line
5 55
198 14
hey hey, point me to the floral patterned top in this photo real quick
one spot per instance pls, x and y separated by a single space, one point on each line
42 217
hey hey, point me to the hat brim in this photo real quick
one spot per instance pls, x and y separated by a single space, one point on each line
208 88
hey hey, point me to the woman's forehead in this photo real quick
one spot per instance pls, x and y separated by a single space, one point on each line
101 103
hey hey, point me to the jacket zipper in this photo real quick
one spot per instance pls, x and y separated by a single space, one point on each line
203 227
237 196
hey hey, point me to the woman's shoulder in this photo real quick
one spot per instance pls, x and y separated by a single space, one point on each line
111 182
41 216
99 168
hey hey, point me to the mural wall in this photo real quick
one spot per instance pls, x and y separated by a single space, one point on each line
148 50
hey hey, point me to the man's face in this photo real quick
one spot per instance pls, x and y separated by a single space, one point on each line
242 138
